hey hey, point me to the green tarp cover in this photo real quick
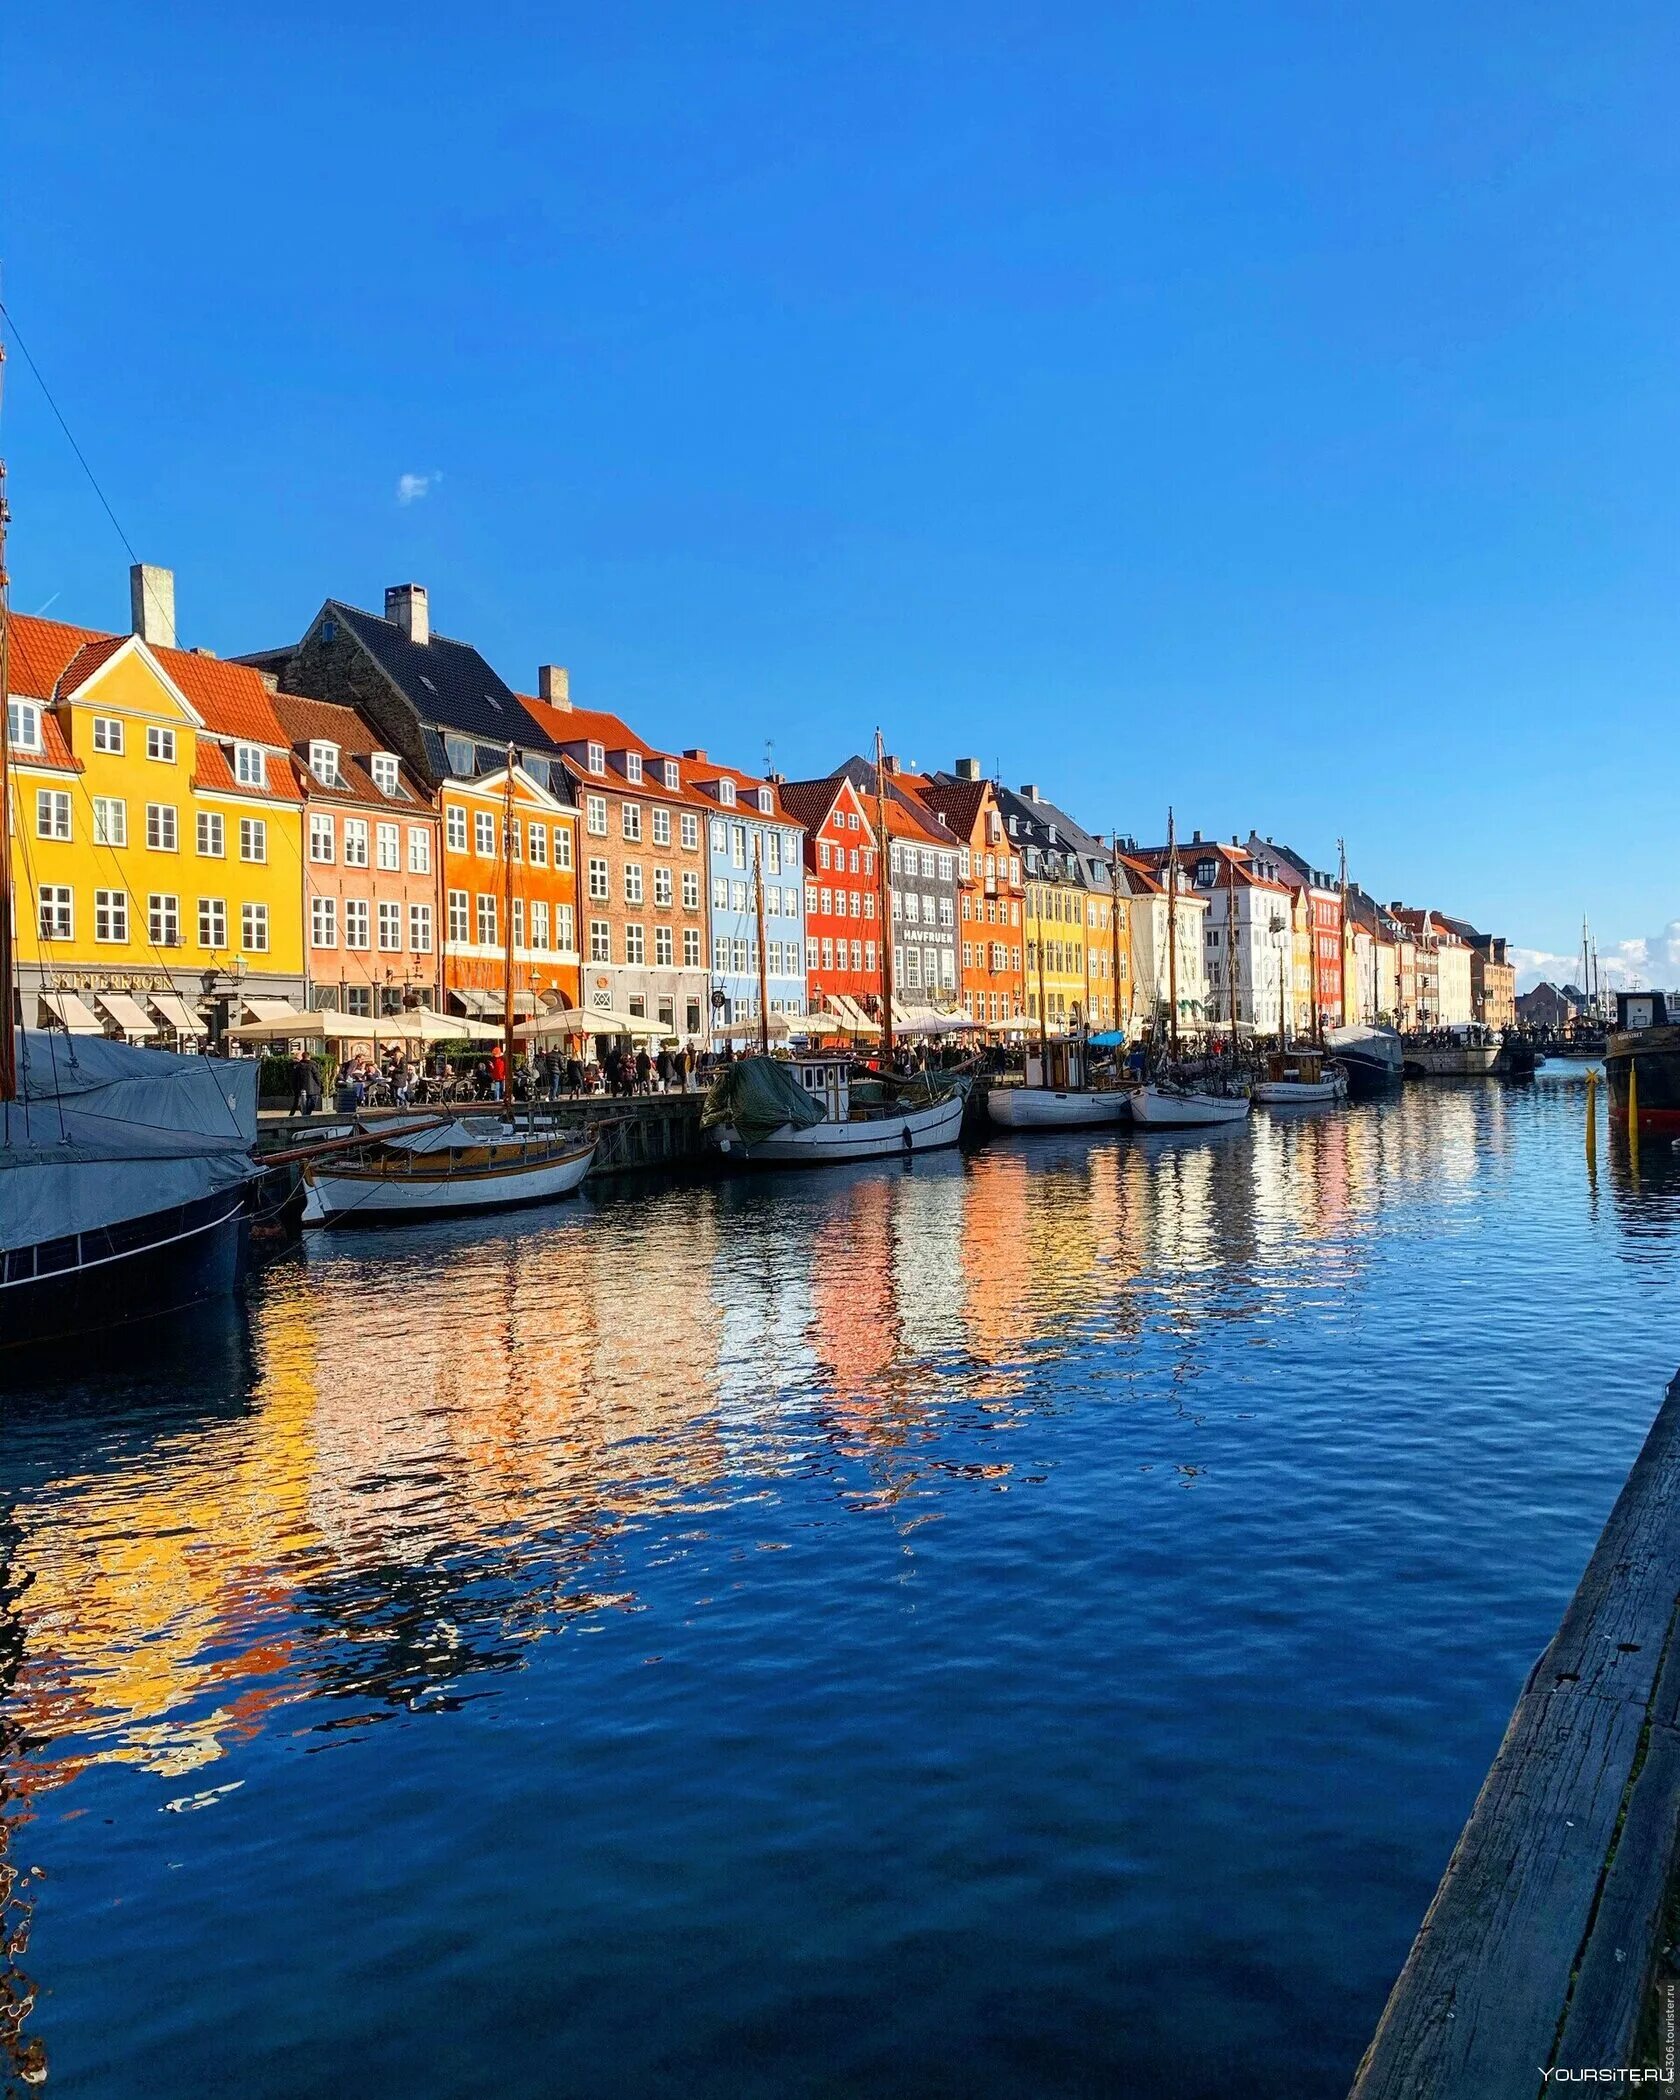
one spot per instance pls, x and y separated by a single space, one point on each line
758 1095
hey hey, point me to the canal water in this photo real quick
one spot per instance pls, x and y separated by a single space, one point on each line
1027 1623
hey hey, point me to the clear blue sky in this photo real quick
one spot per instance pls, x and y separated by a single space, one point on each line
1269 408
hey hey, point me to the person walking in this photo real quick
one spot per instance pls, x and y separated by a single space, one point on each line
498 1073
662 1065
644 1071
306 1085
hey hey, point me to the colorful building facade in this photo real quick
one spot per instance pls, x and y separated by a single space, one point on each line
843 931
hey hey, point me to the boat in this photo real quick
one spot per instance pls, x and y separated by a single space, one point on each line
1301 1079
126 1185
1055 1095
1642 1063
798 1112
467 1166
1373 1057
1161 1105
1453 1058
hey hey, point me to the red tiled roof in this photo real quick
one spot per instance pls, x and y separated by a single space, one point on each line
811 802
40 652
326 721
232 698
211 769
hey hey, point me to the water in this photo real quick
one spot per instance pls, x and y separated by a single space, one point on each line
1028 1624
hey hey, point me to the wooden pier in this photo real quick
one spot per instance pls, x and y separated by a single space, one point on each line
1538 1953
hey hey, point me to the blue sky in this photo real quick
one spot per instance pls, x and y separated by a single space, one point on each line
1269 409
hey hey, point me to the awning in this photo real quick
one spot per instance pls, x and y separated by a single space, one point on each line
279 1028
72 1012
468 999
271 1009
177 1014
843 1016
473 999
129 1015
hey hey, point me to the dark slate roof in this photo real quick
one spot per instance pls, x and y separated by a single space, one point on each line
811 800
448 684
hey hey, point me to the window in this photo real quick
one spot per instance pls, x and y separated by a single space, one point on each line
810 954
160 826
635 945
662 887
738 845
420 928
52 813
766 802
320 836
355 842
519 922
253 845
661 827
691 956
250 770
160 744
539 923
212 838
810 897
538 834
738 896
726 793
595 815
823 855
597 758
630 817
486 921
720 893
212 922
389 850
107 733
633 767
828 955
662 952
253 928
869 957
455 827
600 941
672 773
690 830
163 920
386 775
23 725
390 927
599 888
56 912
690 890
458 915
720 954
563 928
323 922
484 834
110 915
738 956
562 845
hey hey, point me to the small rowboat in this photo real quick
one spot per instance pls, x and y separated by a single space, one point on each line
1301 1079
474 1164
1181 1108
1047 1108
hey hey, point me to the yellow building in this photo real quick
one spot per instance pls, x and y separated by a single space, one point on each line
1069 919
157 852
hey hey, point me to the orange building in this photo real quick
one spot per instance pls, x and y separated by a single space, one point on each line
990 895
478 816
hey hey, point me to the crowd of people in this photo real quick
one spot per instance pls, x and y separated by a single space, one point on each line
400 1081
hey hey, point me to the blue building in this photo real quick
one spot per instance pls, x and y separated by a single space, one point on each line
748 827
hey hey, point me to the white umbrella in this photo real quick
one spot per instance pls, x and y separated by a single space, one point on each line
280 1028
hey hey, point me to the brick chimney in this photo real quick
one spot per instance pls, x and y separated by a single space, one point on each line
696 754
968 769
1028 794
151 604
405 607
554 686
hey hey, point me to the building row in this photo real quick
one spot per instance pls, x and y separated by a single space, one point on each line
330 825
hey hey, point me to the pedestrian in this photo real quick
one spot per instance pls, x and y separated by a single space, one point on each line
498 1073
306 1084
644 1071
662 1065
574 1075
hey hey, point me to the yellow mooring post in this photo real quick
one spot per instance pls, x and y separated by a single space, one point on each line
1592 1117
1633 1102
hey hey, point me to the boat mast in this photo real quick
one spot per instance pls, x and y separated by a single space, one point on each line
763 968
1341 848
8 1042
1231 942
1114 941
883 870
507 974
1172 935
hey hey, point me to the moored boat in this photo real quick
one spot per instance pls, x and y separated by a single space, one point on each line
1642 1058
1451 1059
1160 1106
1055 1095
765 1111
1372 1057
1301 1079
472 1165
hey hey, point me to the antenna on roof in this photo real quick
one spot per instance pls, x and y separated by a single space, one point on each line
769 756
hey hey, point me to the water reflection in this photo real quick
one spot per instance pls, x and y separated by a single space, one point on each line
422 1456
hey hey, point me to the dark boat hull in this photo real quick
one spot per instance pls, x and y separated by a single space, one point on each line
1368 1076
89 1285
1654 1053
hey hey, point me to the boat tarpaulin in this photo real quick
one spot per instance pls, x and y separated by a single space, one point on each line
758 1095
177 1013
73 1011
105 1131
129 1015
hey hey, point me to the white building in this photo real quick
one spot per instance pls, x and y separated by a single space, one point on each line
1247 938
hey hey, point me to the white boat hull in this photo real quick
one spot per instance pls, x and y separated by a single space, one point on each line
338 1196
1047 1108
1159 1108
1300 1093
1450 1060
829 1144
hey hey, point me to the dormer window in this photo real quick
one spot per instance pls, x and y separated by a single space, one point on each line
249 767
726 793
597 758
459 752
385 772
673 778
23 725
323 763
633 767
766 802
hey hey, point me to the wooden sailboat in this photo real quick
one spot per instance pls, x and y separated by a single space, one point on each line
471 1164
1166 1102
1057 1094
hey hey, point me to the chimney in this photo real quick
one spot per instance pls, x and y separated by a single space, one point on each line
1195 838
405 607
698 756
889 764
151 604
554 686
1028 793
968 769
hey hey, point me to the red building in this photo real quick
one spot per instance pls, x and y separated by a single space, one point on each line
842 892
